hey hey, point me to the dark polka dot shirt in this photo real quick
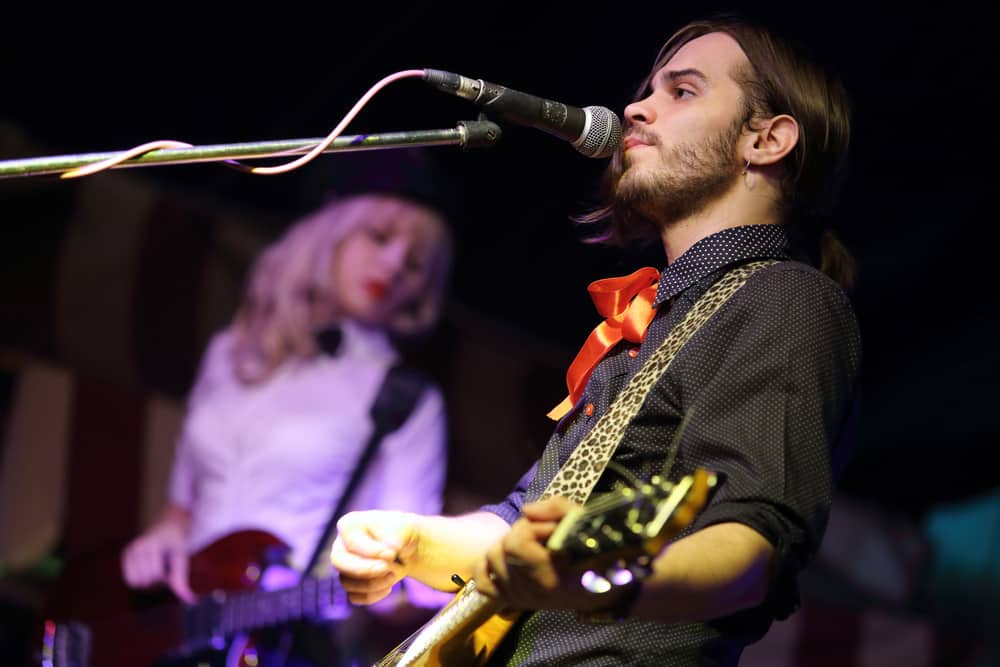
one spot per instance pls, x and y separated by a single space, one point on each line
770 382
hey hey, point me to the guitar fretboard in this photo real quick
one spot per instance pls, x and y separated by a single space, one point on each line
224 615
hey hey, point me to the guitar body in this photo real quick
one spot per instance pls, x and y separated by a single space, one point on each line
130 628
235 562
480 644
472 650
464 633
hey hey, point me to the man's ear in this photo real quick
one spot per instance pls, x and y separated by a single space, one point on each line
773 141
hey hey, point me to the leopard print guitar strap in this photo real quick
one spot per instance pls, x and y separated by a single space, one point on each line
577 477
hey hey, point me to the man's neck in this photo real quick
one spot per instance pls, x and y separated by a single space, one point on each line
739 206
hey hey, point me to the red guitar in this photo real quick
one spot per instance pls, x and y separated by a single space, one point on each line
97 620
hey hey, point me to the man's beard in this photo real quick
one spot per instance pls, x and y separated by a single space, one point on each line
688 180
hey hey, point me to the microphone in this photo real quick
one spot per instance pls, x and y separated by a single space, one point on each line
593 131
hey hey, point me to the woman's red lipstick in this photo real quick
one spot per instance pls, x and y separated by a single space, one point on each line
377 290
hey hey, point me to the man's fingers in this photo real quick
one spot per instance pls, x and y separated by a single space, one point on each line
365 585
356 564
490 573
365 590
369 597
550 509
368 543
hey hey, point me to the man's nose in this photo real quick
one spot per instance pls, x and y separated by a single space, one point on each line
639 112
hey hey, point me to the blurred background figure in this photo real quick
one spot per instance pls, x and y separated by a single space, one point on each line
279 415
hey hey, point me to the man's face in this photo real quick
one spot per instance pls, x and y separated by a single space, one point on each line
681 149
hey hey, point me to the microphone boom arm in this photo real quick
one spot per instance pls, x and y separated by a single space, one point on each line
467 134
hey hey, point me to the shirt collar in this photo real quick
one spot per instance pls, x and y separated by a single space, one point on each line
735 244
356 341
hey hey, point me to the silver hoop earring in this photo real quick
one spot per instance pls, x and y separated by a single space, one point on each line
748 178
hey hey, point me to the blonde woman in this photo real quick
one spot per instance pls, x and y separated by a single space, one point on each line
279 413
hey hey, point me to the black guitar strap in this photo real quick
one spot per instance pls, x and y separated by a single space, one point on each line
400 391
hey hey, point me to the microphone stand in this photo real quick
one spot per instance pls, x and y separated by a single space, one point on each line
466 134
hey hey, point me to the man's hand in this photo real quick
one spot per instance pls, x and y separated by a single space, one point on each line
522 572
372 551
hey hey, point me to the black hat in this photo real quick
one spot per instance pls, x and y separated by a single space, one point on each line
412 172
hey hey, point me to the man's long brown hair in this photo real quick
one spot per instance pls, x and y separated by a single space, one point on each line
779 80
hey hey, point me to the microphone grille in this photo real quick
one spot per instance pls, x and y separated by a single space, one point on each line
602 135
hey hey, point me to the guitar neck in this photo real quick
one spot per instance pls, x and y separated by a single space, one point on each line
228 614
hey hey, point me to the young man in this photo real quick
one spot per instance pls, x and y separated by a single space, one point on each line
731 149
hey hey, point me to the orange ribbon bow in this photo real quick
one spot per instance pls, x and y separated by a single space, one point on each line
626 302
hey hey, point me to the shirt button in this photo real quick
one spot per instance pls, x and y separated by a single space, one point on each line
589 410
633 352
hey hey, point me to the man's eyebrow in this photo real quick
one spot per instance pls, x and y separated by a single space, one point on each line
674 75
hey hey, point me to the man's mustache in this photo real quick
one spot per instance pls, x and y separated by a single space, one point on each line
645 137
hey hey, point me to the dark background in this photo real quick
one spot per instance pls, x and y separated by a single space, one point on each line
914 212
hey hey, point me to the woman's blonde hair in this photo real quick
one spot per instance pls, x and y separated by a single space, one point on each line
291 278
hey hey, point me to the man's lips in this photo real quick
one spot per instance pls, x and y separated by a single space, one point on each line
632 142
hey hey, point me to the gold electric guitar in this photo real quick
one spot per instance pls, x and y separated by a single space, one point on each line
627 527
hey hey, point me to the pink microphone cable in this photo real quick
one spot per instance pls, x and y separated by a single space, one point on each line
278 169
